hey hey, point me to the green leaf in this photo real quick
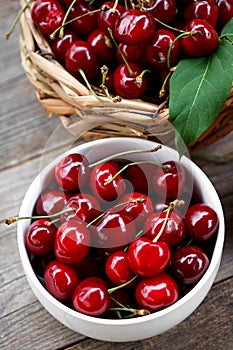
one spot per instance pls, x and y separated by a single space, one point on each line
228 30
199 88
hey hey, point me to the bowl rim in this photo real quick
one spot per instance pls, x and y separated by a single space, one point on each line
21 226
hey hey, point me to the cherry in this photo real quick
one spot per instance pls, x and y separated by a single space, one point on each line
202 9
71 173
60 45
202 41
109 14
158 48
40 237
72 242
130 84
201 222
117 268
163 10
102 44
189 263
141 176
85 208
48 15
169 182
139 206
51 202
100 176
60 280
82 56
225 12
134 27
87 18
91 297
172 226
113 231
132 53
157 292
89 266
147 258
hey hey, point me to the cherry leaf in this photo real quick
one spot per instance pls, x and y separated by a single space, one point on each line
228 30
199 88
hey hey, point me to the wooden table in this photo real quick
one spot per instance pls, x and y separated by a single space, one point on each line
25 134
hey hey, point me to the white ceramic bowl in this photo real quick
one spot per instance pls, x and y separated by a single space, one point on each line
124 330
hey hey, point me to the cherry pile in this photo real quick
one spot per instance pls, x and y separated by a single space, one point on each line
120 238
129 48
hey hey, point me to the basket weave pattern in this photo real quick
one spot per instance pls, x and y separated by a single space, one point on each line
60 93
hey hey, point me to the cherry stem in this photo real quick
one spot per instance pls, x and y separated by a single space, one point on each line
167 26
171 206
135 312
104 160
61 32
113 289
13 219
104 72
107 182
12 28
121 53
140 76
163 89
115 6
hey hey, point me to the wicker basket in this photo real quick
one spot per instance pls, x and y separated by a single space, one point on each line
61 94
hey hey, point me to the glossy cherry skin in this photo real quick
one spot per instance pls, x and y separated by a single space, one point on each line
225 12
71 173
126 84
134 27
103 190
107 18
188 264
103 45
202 9
157 292
169 182
87 22
113 231
201 44
51 202
132 53
164 10
40 237
201 222
72 242
117 268
81 55
157 49
60 45
85 208
141 177
91 297
147 258
174 229
60 280
138 210
48 15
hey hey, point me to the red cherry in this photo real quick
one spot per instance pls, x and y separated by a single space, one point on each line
40 237
113 231
48 15
189 264
85 208
117 268
129 84
60 280
88 18
134 27
202 42
81 55
102 44
225 12
72 242
174 229
100 175
91 297
107 17
60 45
157 49
163 10
201 222
72 172
202 9
90 266
141 176
51 202
147 258
132 53
158 292
169 182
